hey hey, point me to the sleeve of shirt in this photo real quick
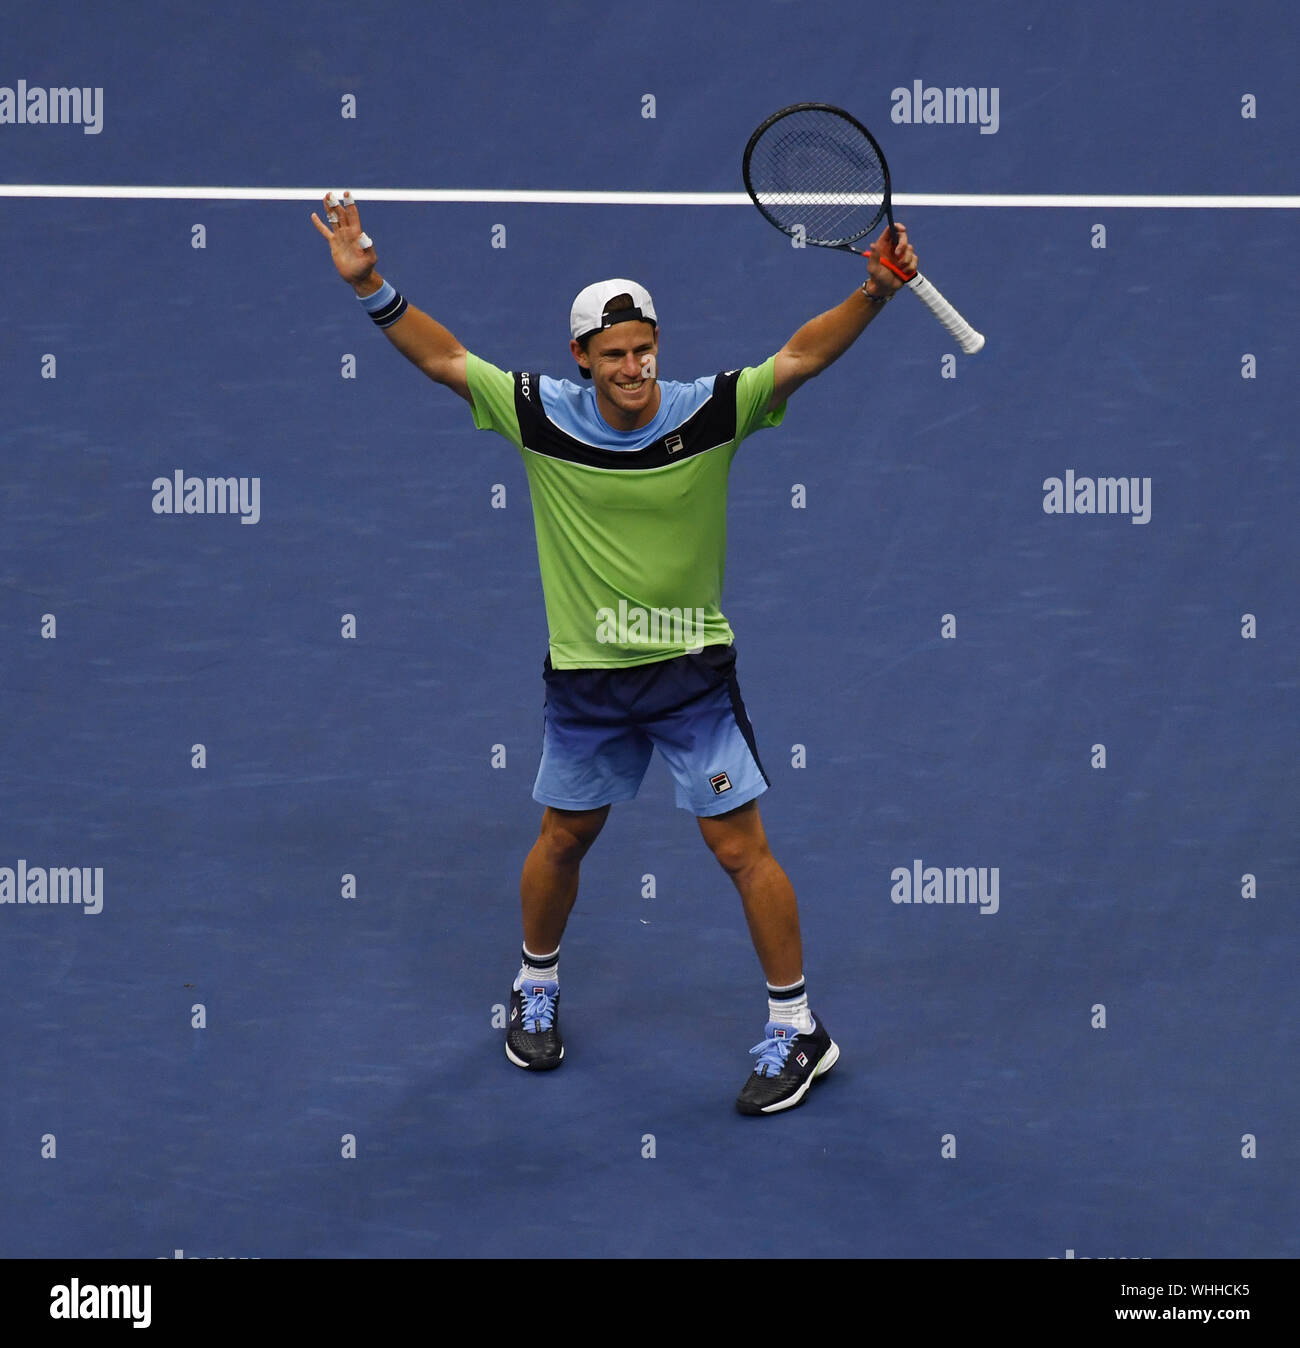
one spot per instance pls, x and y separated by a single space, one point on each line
753 393
493 394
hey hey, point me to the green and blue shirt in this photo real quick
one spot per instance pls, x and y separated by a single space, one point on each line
631 525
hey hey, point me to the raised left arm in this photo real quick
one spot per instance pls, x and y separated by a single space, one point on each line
824 339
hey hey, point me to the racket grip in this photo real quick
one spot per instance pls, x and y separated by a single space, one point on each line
968 339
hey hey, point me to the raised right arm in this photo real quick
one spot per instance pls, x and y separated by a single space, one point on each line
420 338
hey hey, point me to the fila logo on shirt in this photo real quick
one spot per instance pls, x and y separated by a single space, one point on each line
673 444
720 783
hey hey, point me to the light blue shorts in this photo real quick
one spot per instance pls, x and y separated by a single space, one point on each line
603 725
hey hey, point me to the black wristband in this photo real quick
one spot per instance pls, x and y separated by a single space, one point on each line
391 312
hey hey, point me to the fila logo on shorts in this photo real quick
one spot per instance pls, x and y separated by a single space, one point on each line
720 783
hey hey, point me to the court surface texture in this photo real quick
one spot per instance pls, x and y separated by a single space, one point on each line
1095 711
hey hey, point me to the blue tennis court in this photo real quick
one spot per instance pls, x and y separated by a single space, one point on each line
291 757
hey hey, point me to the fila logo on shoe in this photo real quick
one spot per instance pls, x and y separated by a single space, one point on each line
801 1059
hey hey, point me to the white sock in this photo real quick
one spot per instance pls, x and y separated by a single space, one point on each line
539 968
789 1006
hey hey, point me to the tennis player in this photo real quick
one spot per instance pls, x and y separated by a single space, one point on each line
628 476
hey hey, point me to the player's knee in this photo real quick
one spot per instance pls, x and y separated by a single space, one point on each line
737 852
568 837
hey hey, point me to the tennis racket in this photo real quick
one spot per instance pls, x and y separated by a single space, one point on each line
818 175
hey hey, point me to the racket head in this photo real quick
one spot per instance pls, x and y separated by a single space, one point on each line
815 168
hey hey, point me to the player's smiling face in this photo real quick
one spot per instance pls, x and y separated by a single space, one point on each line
622 361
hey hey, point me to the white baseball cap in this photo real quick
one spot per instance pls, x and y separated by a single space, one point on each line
588 309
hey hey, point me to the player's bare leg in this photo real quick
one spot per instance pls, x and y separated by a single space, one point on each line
795 1049
548 889
549 885
738 841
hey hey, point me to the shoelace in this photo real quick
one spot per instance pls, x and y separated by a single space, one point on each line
772 1054
539 1012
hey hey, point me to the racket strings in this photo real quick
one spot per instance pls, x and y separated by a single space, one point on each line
816 171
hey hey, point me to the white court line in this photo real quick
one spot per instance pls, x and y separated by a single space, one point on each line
457 196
